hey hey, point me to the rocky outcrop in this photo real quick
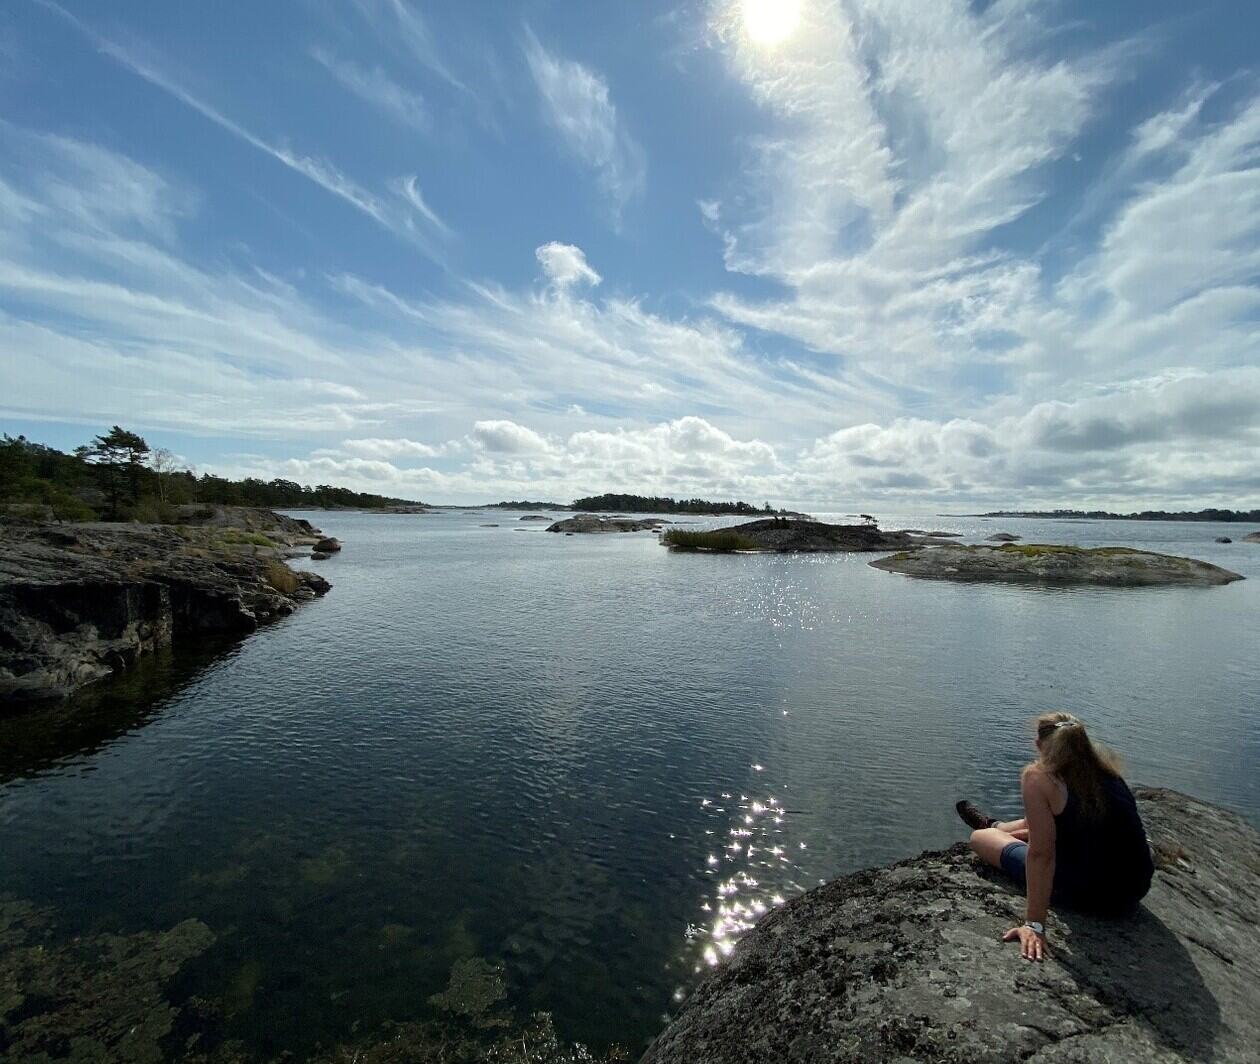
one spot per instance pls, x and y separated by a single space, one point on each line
784 534
1057 564
905 964
79 602
328 545
1004 537
1223 539
534 517
1251 537
595 523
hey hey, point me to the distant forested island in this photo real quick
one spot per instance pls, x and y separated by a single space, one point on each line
1249 516
660 504
119 477
522 504
641 504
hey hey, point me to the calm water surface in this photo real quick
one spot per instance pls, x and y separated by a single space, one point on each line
586 758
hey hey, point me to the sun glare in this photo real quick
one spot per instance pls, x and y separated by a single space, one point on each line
771 21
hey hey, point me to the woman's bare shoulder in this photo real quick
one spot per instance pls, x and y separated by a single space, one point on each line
1036 777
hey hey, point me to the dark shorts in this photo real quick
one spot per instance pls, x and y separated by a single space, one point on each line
1068 890
1014 858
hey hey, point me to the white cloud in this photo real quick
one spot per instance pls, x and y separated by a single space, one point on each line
565 265
507 437
578 105
400 447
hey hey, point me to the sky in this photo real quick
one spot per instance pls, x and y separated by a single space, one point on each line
833 254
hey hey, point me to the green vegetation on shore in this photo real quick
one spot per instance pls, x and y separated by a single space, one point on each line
719 539
117 476
661 504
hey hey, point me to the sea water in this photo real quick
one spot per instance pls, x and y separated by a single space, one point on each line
588 759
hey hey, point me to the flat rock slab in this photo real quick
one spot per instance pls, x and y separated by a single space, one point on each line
905 963
1056 563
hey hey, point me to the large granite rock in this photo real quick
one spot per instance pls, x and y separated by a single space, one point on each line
1251 537
1054 563
79 602
595 523
905 964
783 534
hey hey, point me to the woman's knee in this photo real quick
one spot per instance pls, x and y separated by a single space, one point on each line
989 843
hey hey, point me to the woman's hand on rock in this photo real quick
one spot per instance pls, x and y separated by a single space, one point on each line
1032 946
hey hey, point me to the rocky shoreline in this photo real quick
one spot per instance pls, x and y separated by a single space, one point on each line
1056 564
79 602
904 963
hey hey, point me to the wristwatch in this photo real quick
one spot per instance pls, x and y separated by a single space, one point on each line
1038 928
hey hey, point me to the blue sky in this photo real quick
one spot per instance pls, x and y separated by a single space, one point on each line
833 254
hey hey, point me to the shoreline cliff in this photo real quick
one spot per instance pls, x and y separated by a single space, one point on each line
79 602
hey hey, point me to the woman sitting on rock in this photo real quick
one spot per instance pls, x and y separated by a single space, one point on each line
1081 842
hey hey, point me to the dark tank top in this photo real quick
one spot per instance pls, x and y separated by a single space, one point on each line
1102 863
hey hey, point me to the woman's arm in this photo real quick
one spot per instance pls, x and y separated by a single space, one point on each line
1038 790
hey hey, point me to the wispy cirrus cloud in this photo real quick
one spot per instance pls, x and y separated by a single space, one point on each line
374 86
401 25
392 215
577 104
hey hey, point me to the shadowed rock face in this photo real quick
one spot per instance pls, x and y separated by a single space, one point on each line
1046 563
78 603
905 964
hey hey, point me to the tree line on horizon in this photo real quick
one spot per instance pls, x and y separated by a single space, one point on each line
117 476
1209 514
663 504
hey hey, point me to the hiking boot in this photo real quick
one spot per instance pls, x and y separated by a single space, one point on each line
972 817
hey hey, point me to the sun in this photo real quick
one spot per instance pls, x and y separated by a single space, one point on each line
771 21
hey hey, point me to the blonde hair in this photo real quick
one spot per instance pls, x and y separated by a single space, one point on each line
1066 751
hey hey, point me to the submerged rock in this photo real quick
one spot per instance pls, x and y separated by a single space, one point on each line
595 523
93 998
1223 539
534 517
904 963
1055 563
79 602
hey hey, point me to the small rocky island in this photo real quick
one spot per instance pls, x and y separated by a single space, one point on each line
81 601
905 963
1056 564
784 534
596 523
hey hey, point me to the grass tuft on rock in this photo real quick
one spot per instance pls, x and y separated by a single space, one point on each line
719 539
282 578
